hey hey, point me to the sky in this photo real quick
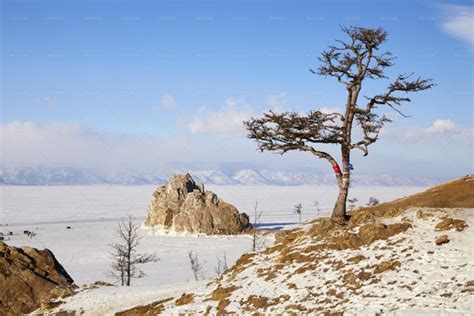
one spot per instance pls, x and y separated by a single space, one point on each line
142 85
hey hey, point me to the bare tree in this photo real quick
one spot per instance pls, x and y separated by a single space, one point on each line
350 63
196 265
221 266
298 210
373 201
124 253
352 203
256 243
318 210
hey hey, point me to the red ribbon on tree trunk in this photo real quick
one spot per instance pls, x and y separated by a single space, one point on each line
337 170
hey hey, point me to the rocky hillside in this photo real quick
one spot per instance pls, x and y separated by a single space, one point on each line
410 256
30 278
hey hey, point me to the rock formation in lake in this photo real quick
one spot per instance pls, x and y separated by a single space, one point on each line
183 205
30 278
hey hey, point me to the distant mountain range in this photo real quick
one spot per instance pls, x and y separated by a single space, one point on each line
73 176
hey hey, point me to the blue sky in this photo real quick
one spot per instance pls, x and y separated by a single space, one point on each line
182 75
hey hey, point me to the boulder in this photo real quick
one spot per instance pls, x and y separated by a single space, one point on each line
449 223
29 278
441 240
183 205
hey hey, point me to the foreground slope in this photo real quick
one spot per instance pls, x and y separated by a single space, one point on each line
29 278
409 256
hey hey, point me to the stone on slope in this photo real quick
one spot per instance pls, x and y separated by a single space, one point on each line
28 278
183 205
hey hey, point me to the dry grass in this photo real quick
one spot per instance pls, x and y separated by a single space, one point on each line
152 309
297 307
267 274
356 259
367 235
221 295
261 302
387 265
185 299
452 194
242 263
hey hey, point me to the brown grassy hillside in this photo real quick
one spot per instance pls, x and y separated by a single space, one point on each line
452 194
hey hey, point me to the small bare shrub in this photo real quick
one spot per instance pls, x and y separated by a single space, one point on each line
196 265
256 240
373 201
221 266
298 210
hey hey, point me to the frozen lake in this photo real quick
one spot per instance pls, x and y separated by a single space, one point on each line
37 204
92 213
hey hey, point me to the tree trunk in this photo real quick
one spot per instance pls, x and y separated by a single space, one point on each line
128 264
339 211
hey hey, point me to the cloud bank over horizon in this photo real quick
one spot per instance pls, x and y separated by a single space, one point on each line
28 144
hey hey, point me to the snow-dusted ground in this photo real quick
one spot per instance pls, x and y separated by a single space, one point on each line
429 280
83 251
111 299
92 212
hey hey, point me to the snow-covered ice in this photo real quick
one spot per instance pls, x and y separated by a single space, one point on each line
28 204
92 213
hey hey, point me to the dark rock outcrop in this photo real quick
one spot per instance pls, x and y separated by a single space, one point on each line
30 277
183 205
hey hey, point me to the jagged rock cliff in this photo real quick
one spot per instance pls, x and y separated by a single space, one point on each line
28 278
183 205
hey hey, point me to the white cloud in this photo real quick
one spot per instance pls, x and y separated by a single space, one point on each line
227 120
460 23
28 144
168 101
441 126
31 144
277 101
329 110
201 109
440 129
50 101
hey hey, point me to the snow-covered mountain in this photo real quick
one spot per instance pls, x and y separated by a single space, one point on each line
69 176
211 177
73 176
249 177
